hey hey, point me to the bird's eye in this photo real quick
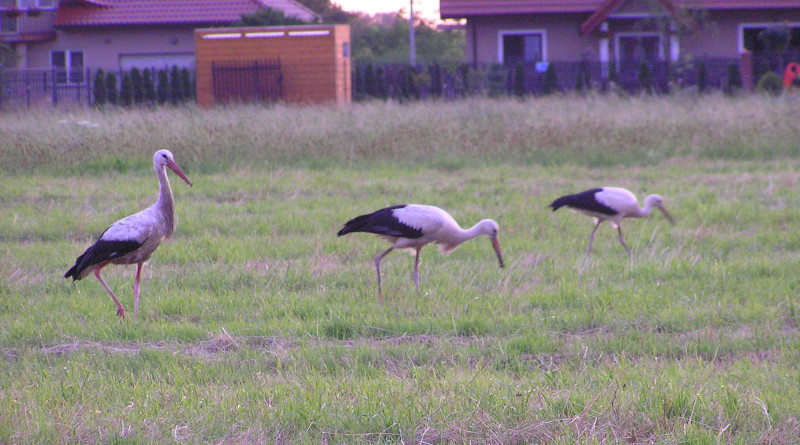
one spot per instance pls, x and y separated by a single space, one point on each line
164 155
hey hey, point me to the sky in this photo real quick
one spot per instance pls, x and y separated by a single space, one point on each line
427 8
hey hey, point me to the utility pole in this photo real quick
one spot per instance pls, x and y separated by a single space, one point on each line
412 45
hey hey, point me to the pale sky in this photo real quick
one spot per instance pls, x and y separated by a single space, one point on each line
427 8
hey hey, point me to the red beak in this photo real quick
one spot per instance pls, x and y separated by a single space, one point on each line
496 245
174 167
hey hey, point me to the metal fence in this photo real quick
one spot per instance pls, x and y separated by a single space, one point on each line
404 82
247 81
49 86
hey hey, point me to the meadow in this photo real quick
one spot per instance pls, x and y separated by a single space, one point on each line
258 325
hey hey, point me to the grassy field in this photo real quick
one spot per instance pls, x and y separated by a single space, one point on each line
258 324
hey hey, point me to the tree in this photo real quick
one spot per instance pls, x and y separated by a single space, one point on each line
175 90
112 90
702 77
186 84
384 39
162 90
149 86
550 79
126 90
519 79
267 17
138 85
100 95
645 76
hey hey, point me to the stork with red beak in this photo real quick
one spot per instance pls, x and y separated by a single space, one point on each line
413 226
133 239
610 204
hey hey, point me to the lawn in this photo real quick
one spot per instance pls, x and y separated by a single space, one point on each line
257 324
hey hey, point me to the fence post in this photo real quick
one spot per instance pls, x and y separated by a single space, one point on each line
256 95
55 91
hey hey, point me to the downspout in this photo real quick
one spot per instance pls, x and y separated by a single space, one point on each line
474 45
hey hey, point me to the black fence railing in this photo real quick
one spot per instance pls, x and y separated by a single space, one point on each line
33 86
247 81
404 82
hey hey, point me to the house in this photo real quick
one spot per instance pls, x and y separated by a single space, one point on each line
114 35
622 33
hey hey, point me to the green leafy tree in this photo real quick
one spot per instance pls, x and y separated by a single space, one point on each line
126 90
267 17
112 88
137 82
377 40
100 95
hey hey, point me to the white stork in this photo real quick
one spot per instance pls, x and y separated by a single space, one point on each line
413 226
133 239
610 204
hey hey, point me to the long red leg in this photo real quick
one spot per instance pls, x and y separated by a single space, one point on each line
136 290
378 270
416 270
120 309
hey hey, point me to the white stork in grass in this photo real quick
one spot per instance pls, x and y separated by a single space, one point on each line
610 204
133 239
413 226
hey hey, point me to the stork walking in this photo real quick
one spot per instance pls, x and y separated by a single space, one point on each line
133 239
413 226
610 204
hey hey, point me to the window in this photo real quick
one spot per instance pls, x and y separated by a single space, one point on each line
521 46
68 66
767 37
639 47
8 24
8 4
46 4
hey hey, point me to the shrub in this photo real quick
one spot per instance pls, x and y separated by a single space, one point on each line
112 90
497 80
436 80
175 91
126 90
645 78
162 90
187 85
100 95
770 83
149 86
550 79
702 77
138 85
519 79
733 81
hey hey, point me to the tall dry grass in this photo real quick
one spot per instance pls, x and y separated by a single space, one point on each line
590 130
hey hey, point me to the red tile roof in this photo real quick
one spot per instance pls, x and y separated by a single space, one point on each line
466 8
168 12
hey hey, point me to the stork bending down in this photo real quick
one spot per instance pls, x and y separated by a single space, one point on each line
413 226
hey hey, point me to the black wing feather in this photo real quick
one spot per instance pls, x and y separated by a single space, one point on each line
381 222
101 252
585 201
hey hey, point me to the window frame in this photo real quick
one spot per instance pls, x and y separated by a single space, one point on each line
69 70
520 32
617 36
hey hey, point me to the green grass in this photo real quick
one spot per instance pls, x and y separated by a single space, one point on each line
258 324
